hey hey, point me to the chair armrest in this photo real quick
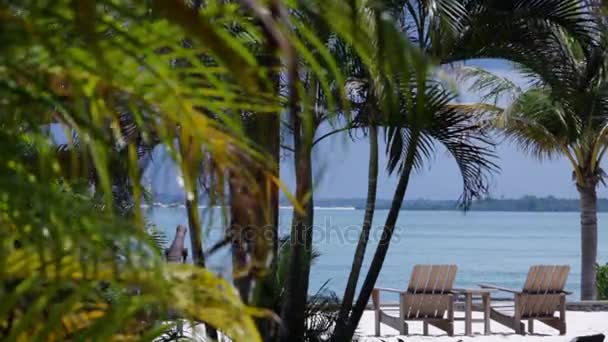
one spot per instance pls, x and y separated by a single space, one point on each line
387 289
376 295
499 288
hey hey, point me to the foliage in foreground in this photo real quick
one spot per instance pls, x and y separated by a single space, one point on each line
321 310
57 264
72 267
602 282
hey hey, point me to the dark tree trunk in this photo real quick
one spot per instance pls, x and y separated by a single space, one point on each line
190 154
351 285
267 236
265 132
265 290
267 210
239 221
255 208
296 291
269 138
346 334
588 197
254 211
194 222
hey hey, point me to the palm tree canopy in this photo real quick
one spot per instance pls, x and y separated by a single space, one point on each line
563 108
451 31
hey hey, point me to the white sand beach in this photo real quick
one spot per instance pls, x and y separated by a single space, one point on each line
579 323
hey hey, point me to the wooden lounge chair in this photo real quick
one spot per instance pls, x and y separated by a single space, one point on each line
542 295
428 298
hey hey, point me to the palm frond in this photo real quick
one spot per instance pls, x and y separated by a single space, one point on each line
469 144
525 28
431 119
538 125
490 87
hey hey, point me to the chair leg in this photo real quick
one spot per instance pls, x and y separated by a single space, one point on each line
518 326
562 314
531 326
404 329
376 303
562 327
425 328
450 329
556 323
377 322
451 316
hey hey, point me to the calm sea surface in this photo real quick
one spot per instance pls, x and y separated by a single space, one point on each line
493 247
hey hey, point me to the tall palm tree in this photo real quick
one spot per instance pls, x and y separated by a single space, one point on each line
412 138
324 99
563 113
451 31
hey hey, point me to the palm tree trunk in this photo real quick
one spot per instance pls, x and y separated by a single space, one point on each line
351 285
387 233
296 291
238 245
194 224
263 292
190 158
269 137
190 153
588 197
266 134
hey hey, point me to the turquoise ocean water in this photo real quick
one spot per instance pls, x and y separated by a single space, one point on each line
492 247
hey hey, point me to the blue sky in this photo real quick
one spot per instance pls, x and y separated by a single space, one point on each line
341 168
341 171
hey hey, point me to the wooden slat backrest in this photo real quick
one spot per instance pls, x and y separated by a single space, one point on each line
418 282
419 278
542 290
546 279
533 279
561 275
432 278
439 288
428 291
427 306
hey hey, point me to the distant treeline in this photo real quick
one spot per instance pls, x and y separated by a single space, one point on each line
526 203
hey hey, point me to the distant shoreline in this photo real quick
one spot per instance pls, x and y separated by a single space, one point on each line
523 204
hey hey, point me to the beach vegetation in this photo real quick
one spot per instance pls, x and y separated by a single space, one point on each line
561 112
602 282
89 89
449 32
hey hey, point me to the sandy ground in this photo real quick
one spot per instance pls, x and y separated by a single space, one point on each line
578 324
